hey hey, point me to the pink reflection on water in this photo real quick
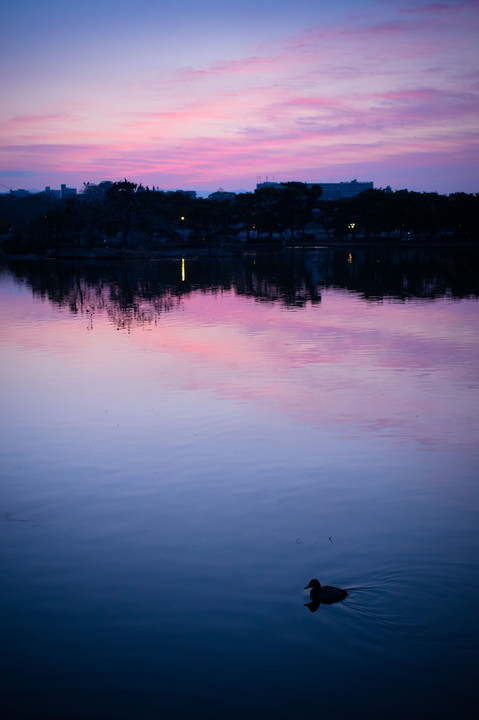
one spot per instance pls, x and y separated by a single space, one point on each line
404 371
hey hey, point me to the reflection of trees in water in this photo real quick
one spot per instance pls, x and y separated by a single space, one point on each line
403 274
131 294
142 313
285 278
136 293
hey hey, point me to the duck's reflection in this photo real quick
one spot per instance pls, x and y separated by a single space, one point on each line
313 605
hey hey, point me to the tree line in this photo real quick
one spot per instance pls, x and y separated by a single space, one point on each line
126 215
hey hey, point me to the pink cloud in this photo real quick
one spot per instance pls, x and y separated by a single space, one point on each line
29 120
244 66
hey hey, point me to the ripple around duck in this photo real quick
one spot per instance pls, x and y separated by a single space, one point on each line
414 604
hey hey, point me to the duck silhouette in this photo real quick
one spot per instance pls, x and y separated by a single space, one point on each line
326 594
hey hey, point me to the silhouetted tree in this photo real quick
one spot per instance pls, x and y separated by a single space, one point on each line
121 201
96 192
296 203
245 213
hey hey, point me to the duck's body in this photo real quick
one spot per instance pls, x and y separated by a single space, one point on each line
325 593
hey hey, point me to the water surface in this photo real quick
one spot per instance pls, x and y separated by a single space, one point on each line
185 445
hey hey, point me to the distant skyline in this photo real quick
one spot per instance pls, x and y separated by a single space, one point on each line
208 94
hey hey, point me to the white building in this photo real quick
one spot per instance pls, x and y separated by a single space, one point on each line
332 191
337 191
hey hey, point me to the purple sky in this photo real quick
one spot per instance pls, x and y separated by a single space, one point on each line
207 94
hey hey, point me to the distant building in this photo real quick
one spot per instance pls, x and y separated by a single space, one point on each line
337 191
267 184
20 193
52 193
67 192
332 191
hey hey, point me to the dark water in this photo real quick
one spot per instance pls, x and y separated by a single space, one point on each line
184 446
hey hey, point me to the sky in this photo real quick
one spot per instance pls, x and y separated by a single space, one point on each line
203 94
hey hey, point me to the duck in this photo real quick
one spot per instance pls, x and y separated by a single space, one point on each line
326 594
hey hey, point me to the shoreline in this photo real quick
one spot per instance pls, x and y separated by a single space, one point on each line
172 253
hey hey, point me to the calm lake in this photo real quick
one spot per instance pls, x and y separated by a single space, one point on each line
185 444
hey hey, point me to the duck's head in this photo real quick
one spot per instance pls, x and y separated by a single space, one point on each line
314 584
